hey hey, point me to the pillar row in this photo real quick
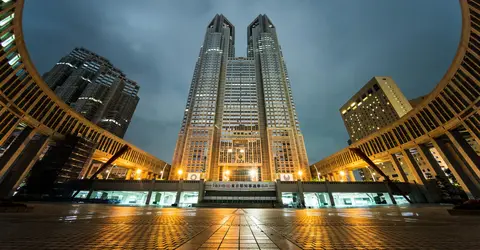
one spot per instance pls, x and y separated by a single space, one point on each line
21 161
398 168
458 167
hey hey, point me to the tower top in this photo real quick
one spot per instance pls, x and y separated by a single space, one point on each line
263 21
218 22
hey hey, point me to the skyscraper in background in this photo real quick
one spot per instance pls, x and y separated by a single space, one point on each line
92 86
379 103
240 122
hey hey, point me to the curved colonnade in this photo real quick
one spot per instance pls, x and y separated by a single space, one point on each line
27 101
447 120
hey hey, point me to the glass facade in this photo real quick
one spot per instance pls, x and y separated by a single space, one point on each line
122 197
360 199
187 199
164 199
316 200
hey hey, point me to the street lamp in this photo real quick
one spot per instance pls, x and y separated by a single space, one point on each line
342 175
252 174
161 172
180 172
226 176
300 173
318 173
138 172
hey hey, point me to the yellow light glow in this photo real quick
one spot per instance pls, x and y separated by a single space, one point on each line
252 173
227 172
344 111
300 173
139 171
342 173
353 104
180 172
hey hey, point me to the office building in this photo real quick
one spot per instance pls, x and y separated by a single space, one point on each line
379 103
92 86
240 122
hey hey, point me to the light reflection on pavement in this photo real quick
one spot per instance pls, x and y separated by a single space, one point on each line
98 226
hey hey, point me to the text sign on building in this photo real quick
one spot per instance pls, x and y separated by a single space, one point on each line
239 186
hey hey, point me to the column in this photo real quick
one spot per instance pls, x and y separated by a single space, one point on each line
414 167
150 190
300 193
424 151
201 190
471 158
89 195
179 192
21 166
278 186
351 176
398 168
417 173
15 149
389 190
330 195
459 169
88 168
128 176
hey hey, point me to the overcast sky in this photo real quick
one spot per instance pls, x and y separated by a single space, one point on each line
332 48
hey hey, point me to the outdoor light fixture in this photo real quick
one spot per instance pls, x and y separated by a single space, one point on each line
227 172
139 171
252 173
342 173
180 172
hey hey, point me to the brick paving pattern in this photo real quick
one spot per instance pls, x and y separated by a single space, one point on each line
95 226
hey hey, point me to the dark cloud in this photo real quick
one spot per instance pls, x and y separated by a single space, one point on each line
331 48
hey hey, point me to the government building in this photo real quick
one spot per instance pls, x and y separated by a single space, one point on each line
240 122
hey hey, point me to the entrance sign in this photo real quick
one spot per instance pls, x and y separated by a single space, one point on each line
286 177
240 186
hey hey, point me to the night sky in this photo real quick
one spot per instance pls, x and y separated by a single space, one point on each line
331 48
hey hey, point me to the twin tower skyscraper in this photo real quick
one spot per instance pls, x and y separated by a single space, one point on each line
240 122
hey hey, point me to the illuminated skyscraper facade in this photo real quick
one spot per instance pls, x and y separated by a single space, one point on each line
240 122
379 103
95 88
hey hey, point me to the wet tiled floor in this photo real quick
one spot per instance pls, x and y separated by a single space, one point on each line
88 226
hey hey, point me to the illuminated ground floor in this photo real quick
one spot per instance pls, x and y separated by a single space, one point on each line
290 194
100 226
